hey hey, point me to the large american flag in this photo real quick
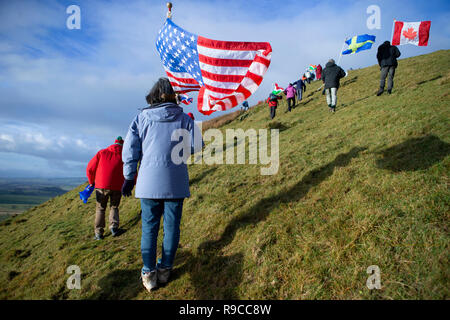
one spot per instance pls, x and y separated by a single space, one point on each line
225 73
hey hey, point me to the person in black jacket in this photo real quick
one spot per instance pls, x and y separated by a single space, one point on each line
387 59
331 76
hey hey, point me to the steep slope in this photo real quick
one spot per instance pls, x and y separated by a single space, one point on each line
368 185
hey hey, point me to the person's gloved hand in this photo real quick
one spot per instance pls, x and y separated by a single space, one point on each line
127 187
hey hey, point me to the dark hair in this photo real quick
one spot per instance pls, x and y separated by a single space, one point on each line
161 91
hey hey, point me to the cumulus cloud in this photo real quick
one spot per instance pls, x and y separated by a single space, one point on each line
36 140
66 93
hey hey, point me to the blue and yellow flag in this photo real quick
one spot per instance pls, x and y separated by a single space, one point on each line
359 43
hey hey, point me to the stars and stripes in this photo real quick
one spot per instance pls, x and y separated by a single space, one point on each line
225 73
184 99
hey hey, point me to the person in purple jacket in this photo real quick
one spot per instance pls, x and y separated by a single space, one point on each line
290 92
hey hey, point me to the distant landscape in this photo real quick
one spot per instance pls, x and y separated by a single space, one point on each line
18 195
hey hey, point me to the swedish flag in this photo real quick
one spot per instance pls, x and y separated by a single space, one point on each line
359 43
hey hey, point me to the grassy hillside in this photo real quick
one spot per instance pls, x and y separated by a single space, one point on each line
368 185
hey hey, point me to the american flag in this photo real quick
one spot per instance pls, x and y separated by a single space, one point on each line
225 73
185 99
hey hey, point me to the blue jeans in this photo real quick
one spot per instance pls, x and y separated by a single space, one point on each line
152 210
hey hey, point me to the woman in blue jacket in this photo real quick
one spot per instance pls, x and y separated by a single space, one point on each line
163 180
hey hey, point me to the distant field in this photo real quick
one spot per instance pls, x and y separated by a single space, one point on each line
19 195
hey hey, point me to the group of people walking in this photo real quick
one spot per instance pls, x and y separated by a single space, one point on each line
387 55
161 184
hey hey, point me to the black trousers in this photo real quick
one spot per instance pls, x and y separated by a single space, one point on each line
291 103
273 111
385 71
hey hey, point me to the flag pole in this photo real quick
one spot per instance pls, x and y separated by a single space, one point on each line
392 33
169 13
340 52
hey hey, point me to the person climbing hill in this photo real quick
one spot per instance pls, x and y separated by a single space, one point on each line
319 72
272 100
331 75
290 92
163 181
387 60
105 171
300 86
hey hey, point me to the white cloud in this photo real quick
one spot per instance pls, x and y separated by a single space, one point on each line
70 93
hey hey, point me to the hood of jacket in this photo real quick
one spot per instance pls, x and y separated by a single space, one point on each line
115 148
163 112
330 64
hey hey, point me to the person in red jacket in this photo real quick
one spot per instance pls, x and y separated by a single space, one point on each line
319 72
105 171
273 103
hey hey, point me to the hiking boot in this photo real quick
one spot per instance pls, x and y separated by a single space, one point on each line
163 275
333 109
114 232
380 92
390 91
149 280
98 237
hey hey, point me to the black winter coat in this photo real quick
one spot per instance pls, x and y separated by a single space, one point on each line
331 75
387 55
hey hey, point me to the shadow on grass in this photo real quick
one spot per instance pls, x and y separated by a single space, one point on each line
303 103
429 80
349 81
131 223
119 285
344 105
413 154
277 125
199 177
216 276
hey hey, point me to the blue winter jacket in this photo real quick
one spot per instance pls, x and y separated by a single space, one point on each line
149 140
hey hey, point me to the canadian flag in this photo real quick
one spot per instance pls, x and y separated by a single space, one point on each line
416 33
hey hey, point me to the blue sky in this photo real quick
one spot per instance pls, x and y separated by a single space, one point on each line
64 94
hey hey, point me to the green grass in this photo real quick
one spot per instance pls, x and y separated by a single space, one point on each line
368 185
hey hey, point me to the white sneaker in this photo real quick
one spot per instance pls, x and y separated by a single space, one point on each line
163 275
149 280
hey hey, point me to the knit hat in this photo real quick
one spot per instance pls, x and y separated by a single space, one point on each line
119 141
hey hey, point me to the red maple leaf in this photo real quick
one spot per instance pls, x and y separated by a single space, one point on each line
410 34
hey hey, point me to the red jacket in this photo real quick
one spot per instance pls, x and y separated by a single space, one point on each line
273 103
319 72
106 168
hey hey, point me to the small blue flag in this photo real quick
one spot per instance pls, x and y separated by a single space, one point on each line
359 43
86 193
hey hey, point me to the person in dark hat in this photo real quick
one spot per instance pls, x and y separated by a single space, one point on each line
105 171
